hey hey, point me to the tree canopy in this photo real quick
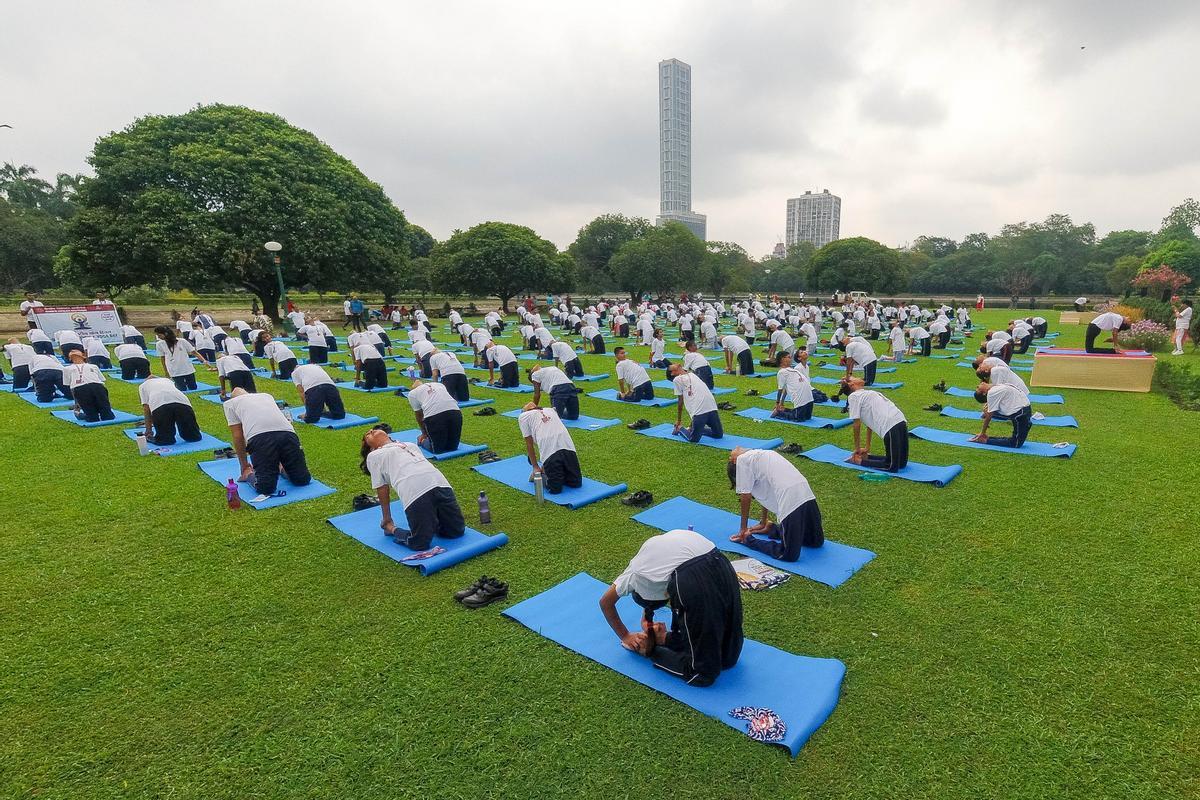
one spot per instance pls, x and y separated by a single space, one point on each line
189 200
599 240
33 214
502 260
665 258
856 264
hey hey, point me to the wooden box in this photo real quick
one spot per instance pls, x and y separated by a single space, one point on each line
1076 317
1116 373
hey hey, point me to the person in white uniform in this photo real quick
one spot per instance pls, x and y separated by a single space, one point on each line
167 412
1004 401
1183 323
633 382
555 459
882 418
265 442
176 357
554 383
430 506
700 404
86 383
780 489
438 416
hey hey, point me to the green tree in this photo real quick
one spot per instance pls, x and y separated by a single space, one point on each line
724 264
1180 223
1183 255
856 264
1122 272
665 258
1118 244
29 241
934 246
501 260
420 242
189 200
600 239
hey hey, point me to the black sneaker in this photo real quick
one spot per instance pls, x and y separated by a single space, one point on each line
934 407
639 499
486 411
726 406
463 594
485 595
488 456
752 393
940 386
792 449
639 425
364 501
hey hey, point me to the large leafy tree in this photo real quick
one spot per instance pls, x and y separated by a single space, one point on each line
665 258
1183 255
502 260
856 264
600 239
33 213
725 264
189 200
420 242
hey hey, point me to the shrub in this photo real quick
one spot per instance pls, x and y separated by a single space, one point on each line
1129 312
1147 335
1150 308
1179 383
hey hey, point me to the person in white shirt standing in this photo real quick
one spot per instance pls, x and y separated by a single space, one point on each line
780 489
882 418
167 412
559 463
633 382
1004 401
430 506
1183 322
700 404
86 382
265 442
438 417
29 309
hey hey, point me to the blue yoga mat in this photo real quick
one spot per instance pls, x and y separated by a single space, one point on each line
464 449
349 421
1049 399
514 472
831 564
726 442
837 368
583 423
119 418
475 401
31 398
590 378
349 386
222 469
349 367
670 387
1049 422
921 473
611 394
823 381
816 422
364 526
8 387
963 440
201 387
802 690
135 381
752 375
520 389
942 357
180 447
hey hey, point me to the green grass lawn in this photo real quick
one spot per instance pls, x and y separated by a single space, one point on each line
1028 631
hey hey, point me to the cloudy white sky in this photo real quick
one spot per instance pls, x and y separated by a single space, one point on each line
926 117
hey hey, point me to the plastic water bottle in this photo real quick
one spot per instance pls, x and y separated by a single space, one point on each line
691 527
231 495
143 447
485 510
539 488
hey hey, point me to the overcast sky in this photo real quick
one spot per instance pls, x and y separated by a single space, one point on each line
926 117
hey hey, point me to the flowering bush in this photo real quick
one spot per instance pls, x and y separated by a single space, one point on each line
1146 335
1161 280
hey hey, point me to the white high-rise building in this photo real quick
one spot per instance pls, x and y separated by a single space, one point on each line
675 146
815 217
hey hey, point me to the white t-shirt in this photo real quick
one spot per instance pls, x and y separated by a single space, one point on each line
67 336
31 305
156 391
697 398
37 335
783 341
734 344
896 337
179 359
129 330
549 377
1184 320
256 413
562 352
312 333
650 570
417 335
366 352
228 364
423 348
693 361
773 481
795 386
548 432
446 364
1005 399
404 467
1082 301
200 339
95 347
431 398
233 345
657 348
19 355
500 355
79 374
588 332
861 351
278 352
239 325
40 362
306 376
876 411
1002 375
633 373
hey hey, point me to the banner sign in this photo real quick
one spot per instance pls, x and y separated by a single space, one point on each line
95 320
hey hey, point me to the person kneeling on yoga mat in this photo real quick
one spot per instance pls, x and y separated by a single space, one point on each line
1113 323
554 382
233 374
559 461
859 353
633 382
167 411
86 382
438 417
369 370
46 372
429 503
736 349
700 404
20 356
318 394
686 571
133 361
449 371
1004 401
794 387
500 357
780 489
263 434
882 417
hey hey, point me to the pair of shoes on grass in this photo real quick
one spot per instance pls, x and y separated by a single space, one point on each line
639 425
488 456
795 448
482 592
486 411
639 499
934 407
726 406
364 501
224 452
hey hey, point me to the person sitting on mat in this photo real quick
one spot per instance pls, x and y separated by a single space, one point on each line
501 357
430 507
794 387
369 370
700 404
860 353
167 412
1108 321
559 467
283 360
265 442
998 344
86 382
736 349
658 349
438 417
1002 401
780 489
318 394
20 356
553 382
448 370
633 382
695 363
686 571
882 417
176 357
233 375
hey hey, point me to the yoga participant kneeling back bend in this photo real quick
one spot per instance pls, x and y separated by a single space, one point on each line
438 417
263 434
1004 401
780 489
167 412
882 417
685 570
559 461
429 503
700 403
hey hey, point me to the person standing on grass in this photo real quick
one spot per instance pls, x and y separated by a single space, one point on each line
430 507
265 442
882 418
559 463
438 416
1110 321
700 404
794 387
1003 401
557 385
86 382
1183 323
167 412
176 357
29 309
780 489
684 570
633 382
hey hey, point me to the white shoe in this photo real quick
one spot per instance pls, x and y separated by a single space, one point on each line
1176 352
